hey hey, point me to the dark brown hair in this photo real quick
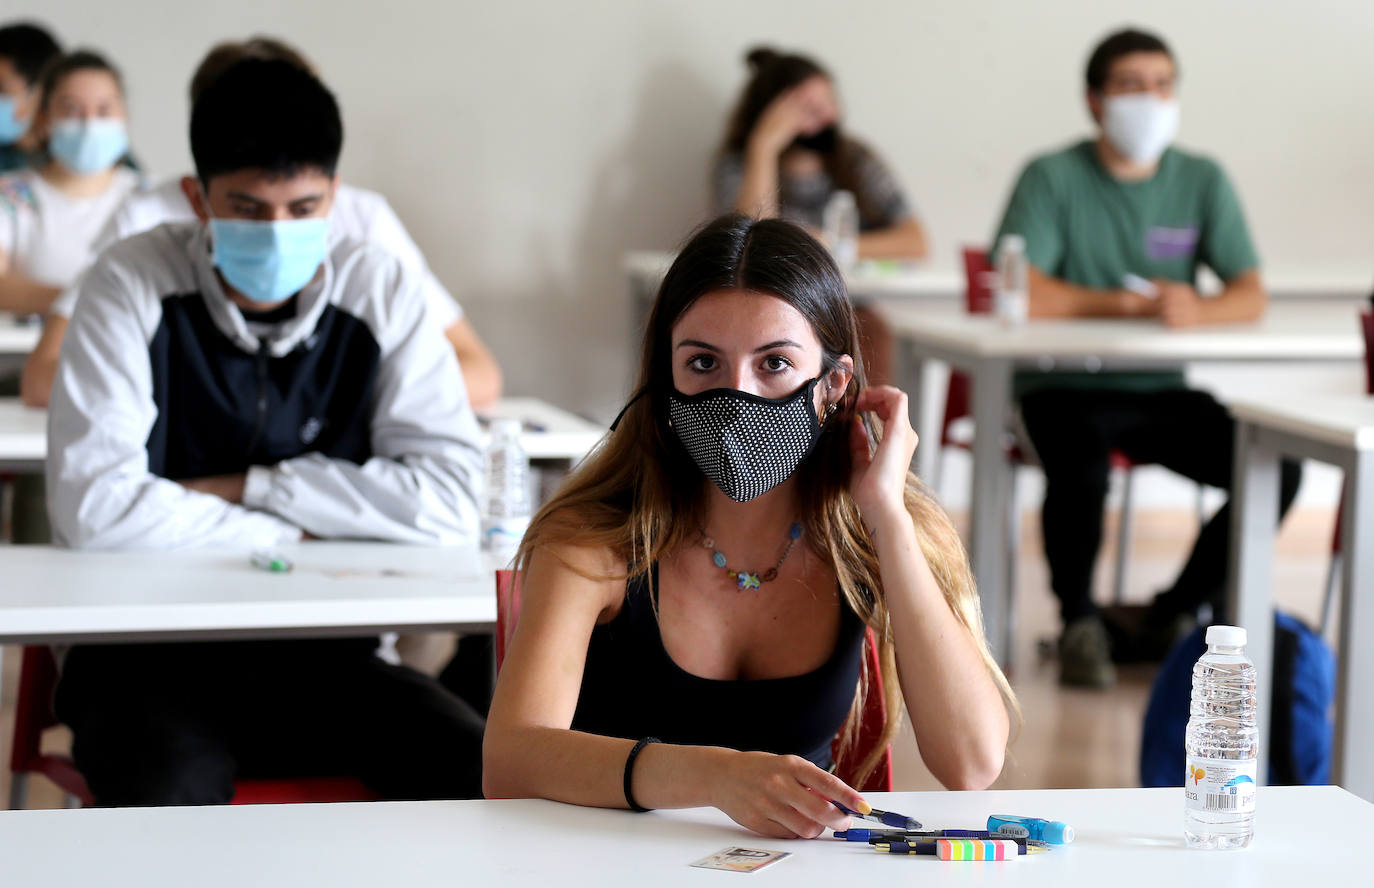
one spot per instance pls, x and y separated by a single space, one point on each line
30 48
64 66
222 57
1113 47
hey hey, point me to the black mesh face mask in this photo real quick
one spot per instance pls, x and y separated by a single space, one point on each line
746 444
825 141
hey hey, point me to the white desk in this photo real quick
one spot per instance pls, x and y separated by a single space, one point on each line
870 280
17 338
23 436
990 353
58 596
893 282
552 436
1126 838
1340 431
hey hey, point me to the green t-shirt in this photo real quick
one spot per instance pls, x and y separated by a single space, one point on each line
1086 227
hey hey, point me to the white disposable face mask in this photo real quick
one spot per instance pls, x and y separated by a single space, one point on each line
1140 125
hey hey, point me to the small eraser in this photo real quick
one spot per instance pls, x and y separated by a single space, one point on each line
976 849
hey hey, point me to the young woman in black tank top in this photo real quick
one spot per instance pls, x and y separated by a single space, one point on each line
705 577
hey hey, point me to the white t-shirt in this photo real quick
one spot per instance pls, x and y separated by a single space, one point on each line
49 236
358 214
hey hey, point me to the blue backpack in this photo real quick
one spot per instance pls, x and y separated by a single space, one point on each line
1300 730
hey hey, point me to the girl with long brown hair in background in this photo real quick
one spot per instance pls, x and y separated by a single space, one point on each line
786 152
704 579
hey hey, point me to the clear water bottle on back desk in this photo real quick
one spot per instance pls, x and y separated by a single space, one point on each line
506 506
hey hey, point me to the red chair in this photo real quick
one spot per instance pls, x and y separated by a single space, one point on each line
1333 575
980 279
871 720
33 715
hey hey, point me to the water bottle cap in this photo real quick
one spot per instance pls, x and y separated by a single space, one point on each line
506 428
1013 242
842 198
1226 636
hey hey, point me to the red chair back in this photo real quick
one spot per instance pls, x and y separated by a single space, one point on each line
978 270
978 298
507 609
34 714
871 721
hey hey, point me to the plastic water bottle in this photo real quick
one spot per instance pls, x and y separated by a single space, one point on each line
840 222
1012 302
1222 745
506 503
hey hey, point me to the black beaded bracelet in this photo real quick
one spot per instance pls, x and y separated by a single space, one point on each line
630 770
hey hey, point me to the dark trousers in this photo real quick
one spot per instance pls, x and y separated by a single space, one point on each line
176 724
1185 431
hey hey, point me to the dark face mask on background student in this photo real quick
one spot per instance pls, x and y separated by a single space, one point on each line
825 141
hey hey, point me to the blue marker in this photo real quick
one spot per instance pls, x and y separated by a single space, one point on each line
860 834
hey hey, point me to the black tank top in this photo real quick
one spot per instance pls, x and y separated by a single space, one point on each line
632 688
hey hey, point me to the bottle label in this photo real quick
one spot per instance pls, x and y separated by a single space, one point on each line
1220 786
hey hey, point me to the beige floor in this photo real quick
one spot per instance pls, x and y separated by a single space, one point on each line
1080 738
1069 738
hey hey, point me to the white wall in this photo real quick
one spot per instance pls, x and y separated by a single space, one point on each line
528 144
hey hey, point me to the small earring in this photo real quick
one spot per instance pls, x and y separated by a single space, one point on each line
829 410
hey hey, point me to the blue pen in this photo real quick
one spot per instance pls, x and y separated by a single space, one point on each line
887 818
861 834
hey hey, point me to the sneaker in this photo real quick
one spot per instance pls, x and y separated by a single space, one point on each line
1085 655
1158 638
1163 628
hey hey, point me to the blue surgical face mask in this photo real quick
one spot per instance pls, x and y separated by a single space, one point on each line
89 146
12 128
269 261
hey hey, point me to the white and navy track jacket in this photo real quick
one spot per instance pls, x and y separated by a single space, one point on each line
350 419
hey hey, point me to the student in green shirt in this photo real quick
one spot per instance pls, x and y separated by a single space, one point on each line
1095 216
25 50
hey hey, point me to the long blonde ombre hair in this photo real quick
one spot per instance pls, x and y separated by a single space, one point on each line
640 496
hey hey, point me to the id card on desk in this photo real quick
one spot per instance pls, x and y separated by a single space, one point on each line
741 860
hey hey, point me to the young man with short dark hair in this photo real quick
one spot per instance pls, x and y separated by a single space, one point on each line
244 381
1118 226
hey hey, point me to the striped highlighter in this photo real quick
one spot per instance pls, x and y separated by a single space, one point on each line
932 848
976 849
